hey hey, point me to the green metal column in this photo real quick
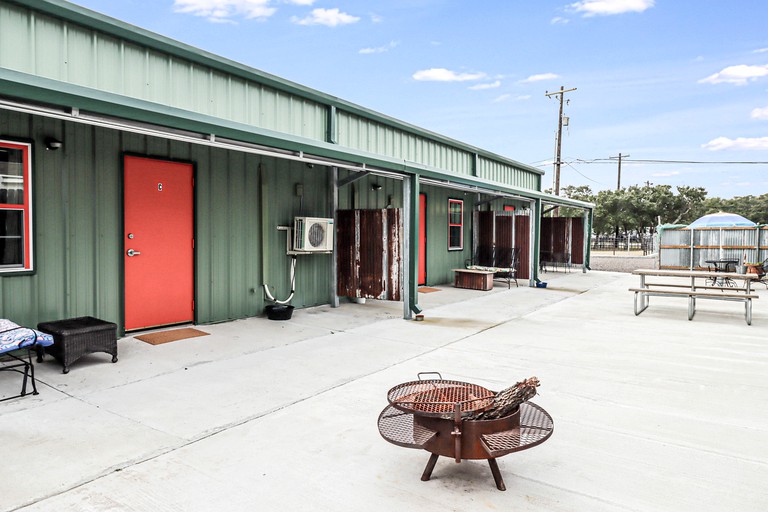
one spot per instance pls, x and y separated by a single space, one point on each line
588 220
411 246
333 190
536 242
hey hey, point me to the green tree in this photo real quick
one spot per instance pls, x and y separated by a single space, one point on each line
641 208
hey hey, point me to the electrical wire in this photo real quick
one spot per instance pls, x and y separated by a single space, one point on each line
659 161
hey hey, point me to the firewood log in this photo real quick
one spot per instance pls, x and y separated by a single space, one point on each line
507 400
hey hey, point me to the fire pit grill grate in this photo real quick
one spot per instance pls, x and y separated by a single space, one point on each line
439 397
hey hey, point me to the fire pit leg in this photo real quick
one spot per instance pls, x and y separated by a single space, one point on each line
430 466
496 475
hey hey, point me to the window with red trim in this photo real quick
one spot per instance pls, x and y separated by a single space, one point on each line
455 224
15 207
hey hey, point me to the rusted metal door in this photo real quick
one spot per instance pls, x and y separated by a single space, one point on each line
563 236
369 263
523 242
497 234
577 241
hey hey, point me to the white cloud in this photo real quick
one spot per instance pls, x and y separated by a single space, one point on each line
539 78
379 49
557 20
760 113
523 97
491 85
611 7
737 75
300 2
721 143
375 18
445 75
761 50
221 11
327 17
665 174
503 97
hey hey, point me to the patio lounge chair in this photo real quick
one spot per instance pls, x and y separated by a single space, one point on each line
14 339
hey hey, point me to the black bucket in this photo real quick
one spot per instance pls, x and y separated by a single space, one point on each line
279 312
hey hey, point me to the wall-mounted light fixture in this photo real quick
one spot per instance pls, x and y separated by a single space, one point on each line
375 187
52 144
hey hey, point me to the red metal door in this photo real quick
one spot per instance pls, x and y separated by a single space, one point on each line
158 247
422 239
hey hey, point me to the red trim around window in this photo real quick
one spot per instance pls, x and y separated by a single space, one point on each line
25 207
454 226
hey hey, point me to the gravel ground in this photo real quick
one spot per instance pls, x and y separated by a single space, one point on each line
615 263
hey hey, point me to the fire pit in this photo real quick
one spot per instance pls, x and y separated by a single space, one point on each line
438 415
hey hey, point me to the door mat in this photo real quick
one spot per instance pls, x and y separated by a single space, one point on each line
158 338
427 289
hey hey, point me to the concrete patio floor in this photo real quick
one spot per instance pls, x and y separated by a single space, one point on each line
652 413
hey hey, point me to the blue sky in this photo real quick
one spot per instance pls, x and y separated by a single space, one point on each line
664 80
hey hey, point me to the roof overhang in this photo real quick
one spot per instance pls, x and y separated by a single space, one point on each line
50 98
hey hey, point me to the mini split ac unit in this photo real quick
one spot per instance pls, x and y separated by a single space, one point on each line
311 234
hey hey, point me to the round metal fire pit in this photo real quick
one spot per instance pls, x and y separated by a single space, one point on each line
433 415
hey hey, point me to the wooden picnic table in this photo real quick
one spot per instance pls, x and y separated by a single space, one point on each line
706 288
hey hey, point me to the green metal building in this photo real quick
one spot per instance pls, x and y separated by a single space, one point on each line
85 98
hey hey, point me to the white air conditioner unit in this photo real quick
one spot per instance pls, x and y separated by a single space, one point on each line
311 234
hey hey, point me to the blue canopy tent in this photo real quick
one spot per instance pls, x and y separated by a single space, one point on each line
720 220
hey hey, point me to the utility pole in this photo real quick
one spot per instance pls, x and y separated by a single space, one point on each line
618 181
561 93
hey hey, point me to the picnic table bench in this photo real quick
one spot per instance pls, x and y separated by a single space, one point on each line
693 290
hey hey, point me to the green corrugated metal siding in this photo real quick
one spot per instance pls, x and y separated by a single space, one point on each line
366 135
78 225
504 173
440 260
73 45
360 193
40 45
279 207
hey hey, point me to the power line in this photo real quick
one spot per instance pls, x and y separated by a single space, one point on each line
612 160
582 174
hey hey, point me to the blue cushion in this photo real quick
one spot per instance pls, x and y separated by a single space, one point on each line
14 337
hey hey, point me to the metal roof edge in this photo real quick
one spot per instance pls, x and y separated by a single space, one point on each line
89 101
117 28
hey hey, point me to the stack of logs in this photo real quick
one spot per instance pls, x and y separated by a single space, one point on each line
507 400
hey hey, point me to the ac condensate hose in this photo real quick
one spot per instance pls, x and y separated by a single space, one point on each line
293 285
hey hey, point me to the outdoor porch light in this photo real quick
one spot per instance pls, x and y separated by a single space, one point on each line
52 144
375 187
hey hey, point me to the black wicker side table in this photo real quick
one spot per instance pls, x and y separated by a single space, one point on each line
75 337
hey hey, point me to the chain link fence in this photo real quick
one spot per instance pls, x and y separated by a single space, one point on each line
633 243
